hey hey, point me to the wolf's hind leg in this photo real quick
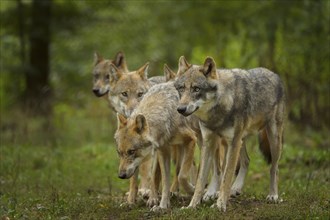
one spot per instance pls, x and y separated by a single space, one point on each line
164 157
274 132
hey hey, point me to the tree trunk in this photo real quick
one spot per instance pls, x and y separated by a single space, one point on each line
38 92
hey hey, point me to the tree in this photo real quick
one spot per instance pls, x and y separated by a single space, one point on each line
38 91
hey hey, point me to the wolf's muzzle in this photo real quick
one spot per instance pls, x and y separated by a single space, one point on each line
122 175
97 92
182 109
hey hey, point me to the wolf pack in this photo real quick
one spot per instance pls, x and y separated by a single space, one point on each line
163 120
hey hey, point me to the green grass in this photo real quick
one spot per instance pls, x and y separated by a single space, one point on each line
80 182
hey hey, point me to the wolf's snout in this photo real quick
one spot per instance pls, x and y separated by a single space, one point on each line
122 175
182 109
96 92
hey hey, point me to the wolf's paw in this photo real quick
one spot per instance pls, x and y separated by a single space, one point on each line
220 205
234 192
157 208
210 196
274 199
152 202
144 192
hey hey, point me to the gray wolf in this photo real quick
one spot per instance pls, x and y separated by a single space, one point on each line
101 69
217 159
232 104
152 128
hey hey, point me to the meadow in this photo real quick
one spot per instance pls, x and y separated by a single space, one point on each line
78 180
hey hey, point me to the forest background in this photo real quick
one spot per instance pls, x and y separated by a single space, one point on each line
47 50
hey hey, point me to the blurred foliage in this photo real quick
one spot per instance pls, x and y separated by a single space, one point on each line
288 37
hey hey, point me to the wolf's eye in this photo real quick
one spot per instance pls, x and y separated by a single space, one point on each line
130 152
196 89
140 94
181 89
124 94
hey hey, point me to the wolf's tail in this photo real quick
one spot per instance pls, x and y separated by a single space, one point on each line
264 146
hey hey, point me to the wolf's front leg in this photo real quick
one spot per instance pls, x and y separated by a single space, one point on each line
230 166
153 195
208 148
244 161
213 187
133 188
164 157
145 176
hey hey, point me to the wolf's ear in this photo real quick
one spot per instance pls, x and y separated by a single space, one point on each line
97 58
141 124
120 61
115 73
121 120
183 65
169 74
143 71
209 69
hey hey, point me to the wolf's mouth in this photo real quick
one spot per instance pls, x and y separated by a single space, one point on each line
187 113
129 176
98 94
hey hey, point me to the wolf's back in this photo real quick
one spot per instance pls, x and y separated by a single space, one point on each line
159 107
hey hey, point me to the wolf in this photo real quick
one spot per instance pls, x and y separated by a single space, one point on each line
232 104
218 156
101 69
101 88
153 127
127 89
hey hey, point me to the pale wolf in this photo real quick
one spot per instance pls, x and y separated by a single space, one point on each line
101 70
232 104
155 126
127 89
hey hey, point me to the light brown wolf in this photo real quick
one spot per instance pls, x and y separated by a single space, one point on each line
232 104
127 89
101 70
153 127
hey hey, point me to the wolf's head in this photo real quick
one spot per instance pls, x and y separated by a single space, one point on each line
197 86
127 89
133 144
101 69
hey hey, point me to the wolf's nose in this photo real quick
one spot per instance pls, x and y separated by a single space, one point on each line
96 91
182 109
122 175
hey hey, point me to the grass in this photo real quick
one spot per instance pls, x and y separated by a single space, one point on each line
79 181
